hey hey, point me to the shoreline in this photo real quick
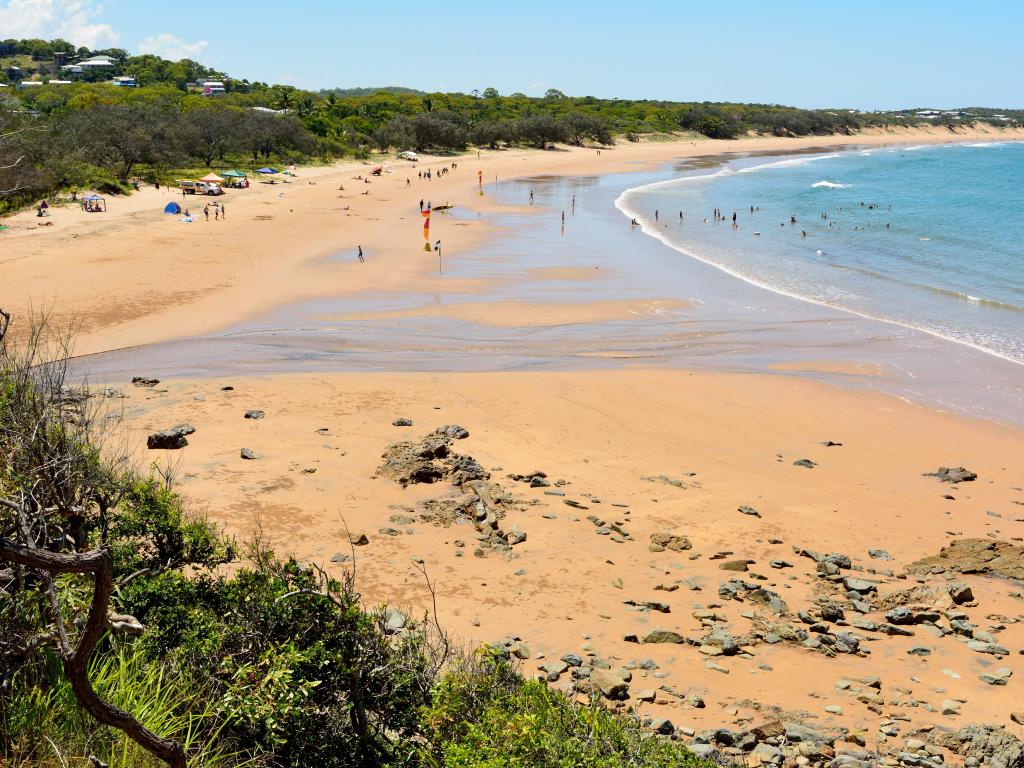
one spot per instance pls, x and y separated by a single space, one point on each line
649 229
215 291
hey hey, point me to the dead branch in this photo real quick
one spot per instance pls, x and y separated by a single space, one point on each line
76 663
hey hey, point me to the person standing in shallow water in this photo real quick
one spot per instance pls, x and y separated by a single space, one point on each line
360 254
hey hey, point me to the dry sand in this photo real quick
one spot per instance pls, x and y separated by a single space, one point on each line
135 275
730 440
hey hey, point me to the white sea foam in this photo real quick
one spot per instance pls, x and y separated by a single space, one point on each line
622 203
829 184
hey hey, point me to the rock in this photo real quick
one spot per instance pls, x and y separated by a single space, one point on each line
555 667
861 586
879 554
170 439
340 557
834 709
540 482
720 639
990 744
805 463
980 646
985 556
520 650
960 593
767 753
646 695
998 677
249 454
394 621
745 510
1017 717
950 707
953 475
574 504
515 536
610 684
142 381
254 414
454 431
771 729
664 636
359 540
920 650
662 725
401 423
671 541
735 565
386 531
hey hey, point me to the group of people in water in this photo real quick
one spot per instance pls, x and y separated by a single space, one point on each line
718 216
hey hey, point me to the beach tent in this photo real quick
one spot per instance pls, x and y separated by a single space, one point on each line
408 155
173 208
235 179
267 171
94 204
212 178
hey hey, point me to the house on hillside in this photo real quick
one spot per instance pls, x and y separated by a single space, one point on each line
98 62
124 82
14 73
213 88
24 85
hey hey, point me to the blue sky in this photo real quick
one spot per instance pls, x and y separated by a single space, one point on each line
866 54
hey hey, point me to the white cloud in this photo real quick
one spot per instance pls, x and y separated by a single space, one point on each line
72 20
172 47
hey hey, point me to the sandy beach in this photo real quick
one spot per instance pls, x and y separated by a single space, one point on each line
763 474
136 275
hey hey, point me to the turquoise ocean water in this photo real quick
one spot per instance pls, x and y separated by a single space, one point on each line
928 237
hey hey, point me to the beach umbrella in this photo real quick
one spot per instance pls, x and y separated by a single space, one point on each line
234 174
267 171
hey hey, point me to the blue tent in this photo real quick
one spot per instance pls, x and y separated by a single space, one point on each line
267 170
172 208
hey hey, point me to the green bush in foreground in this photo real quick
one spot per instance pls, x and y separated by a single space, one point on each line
273 664
485 715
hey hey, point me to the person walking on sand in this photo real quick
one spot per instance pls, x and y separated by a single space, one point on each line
421 205
360 254
223 212
216 212
531 197
206 211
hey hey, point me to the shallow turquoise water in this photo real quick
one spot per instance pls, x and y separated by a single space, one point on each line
929 237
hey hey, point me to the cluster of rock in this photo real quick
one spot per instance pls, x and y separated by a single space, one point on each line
477 501
778 743
430 460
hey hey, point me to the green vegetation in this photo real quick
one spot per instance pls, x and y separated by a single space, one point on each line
266 662
92 133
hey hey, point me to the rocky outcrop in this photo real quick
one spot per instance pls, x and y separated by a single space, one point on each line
984 556
170 439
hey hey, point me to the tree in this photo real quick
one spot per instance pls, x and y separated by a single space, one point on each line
212 129
541 130
491 93
553 94
63 489
581 126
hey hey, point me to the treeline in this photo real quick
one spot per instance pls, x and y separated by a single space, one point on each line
268 664
100 137
98 134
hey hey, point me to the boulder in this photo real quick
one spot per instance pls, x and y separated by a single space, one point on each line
953 475
610 684
254 414
249 454
670 541
664 636
170 439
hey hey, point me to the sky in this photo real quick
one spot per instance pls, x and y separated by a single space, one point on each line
808 53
